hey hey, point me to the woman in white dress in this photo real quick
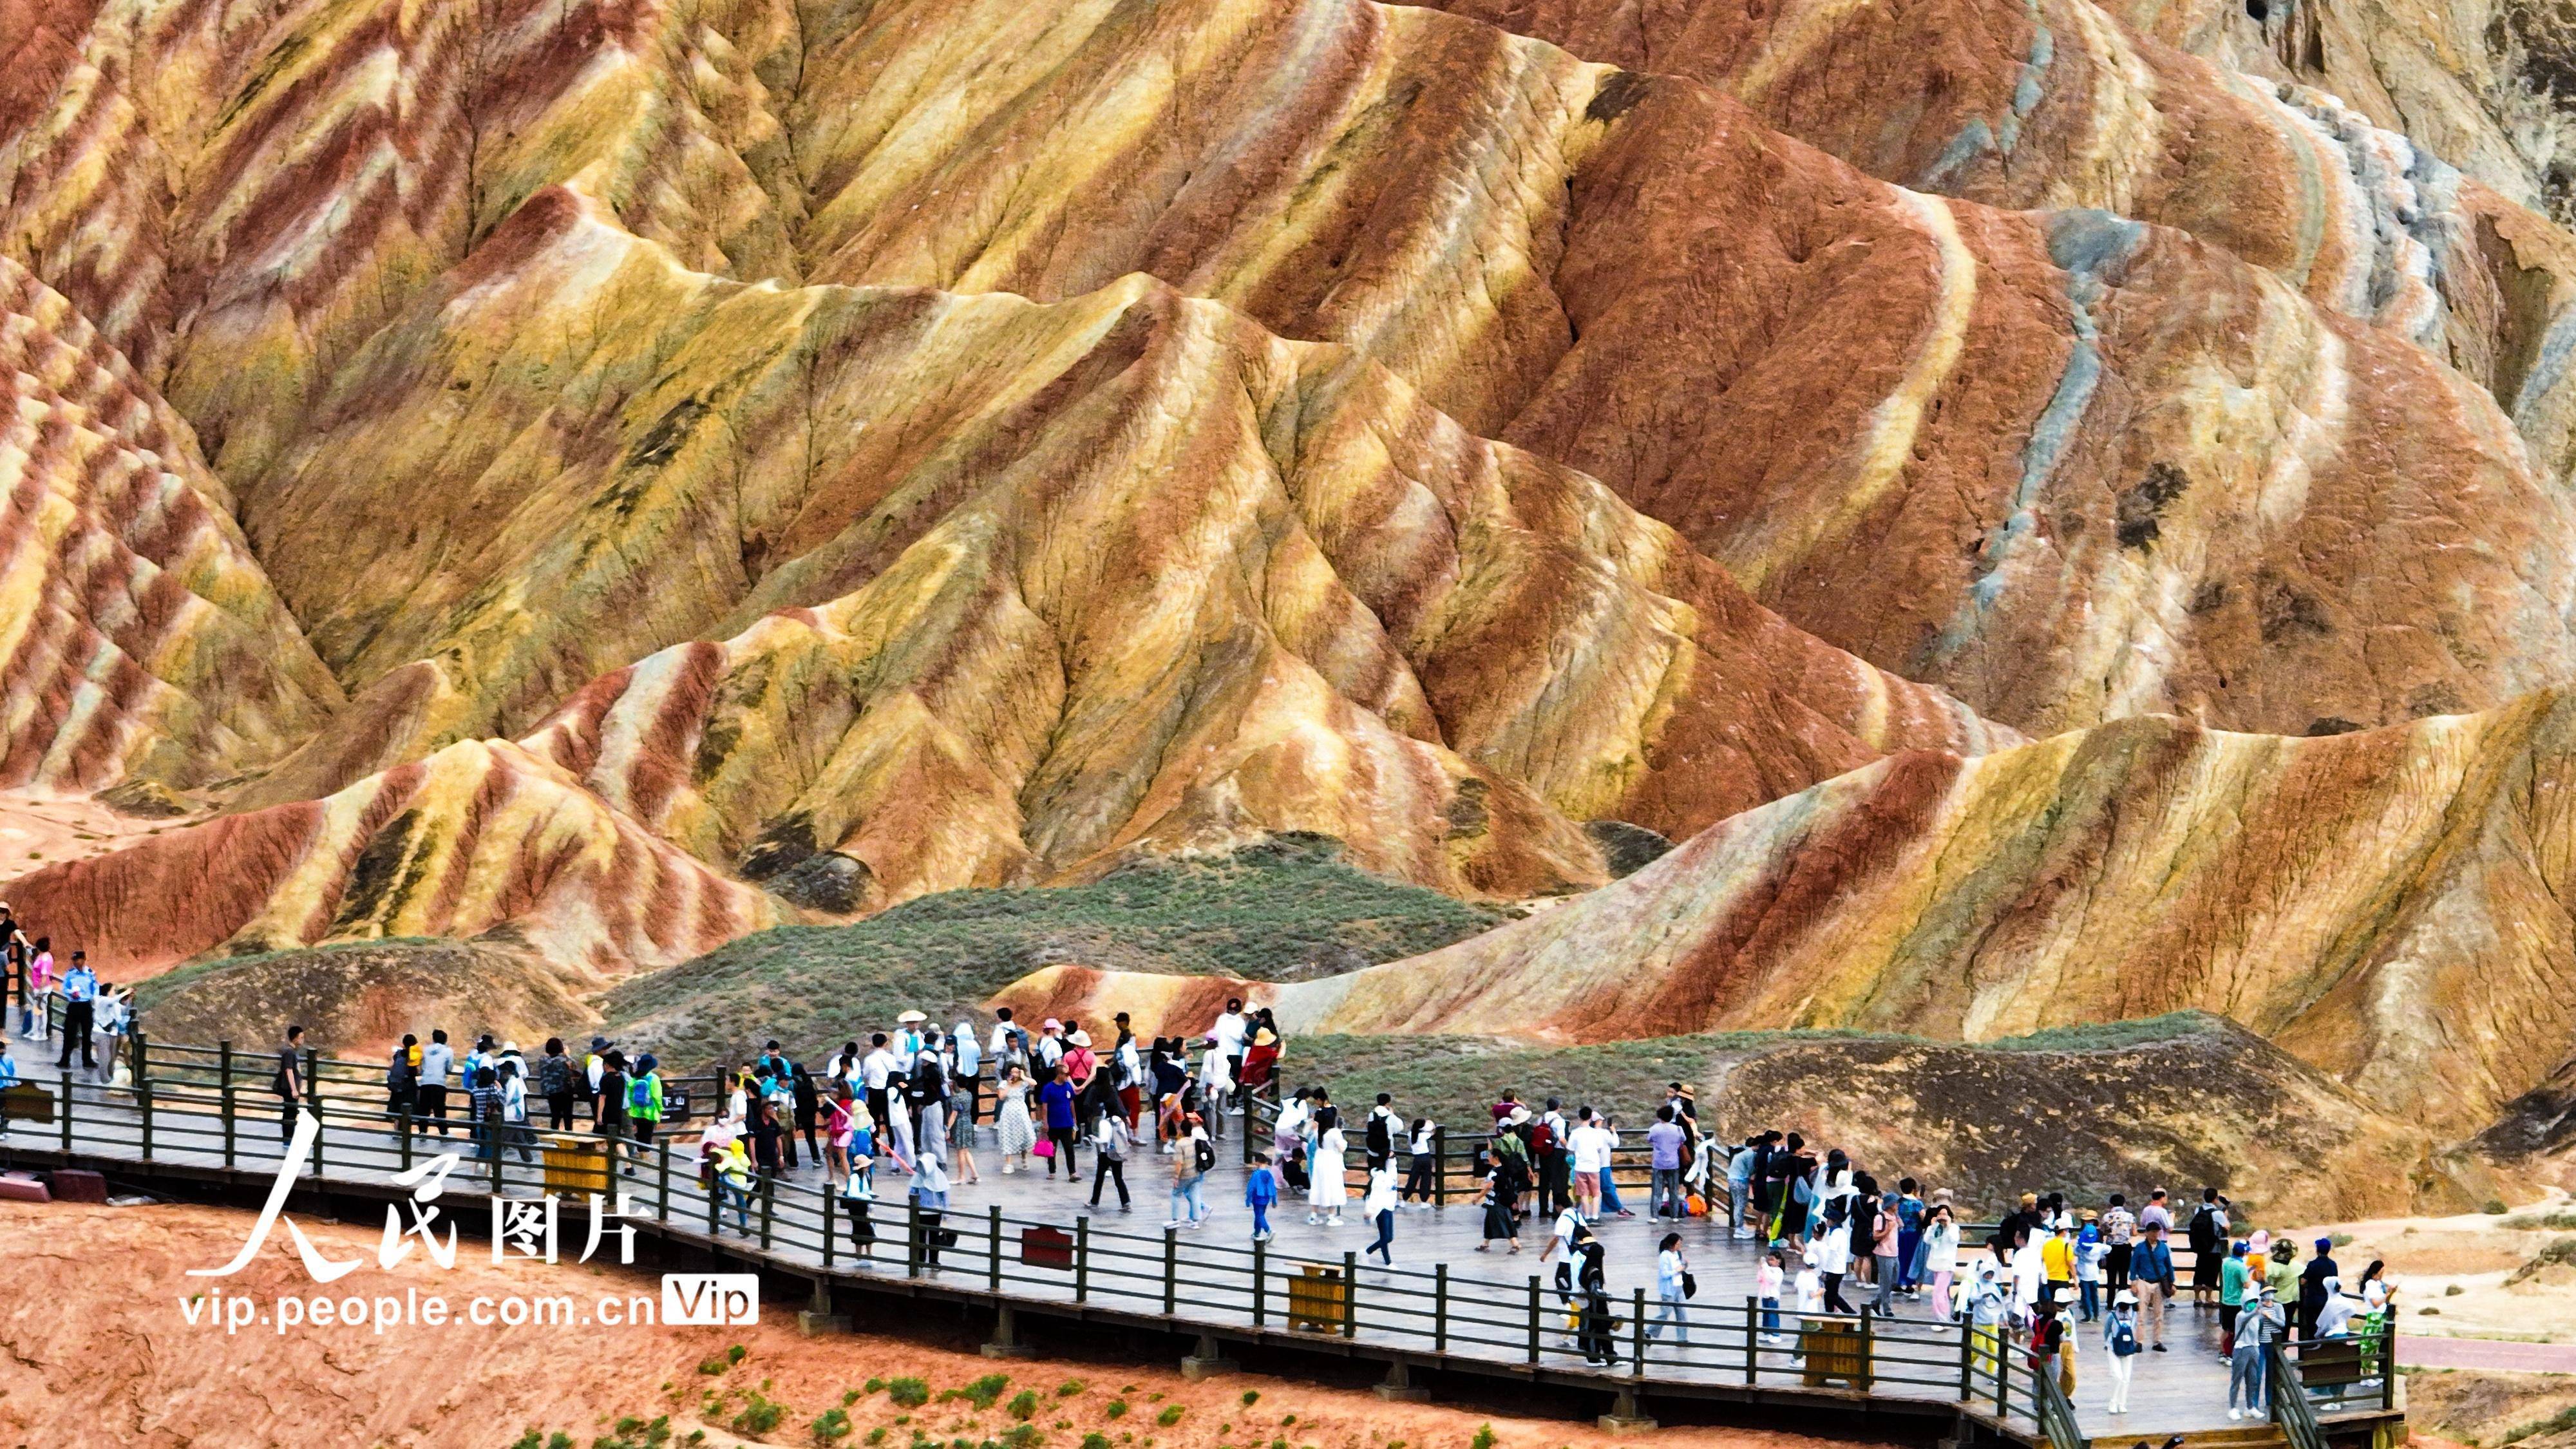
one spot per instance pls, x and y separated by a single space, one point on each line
1325 1198
1011 1120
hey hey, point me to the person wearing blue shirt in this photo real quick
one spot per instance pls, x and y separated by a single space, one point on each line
1261 1194
80 1007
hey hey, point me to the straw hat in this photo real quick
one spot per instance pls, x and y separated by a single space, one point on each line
909 1018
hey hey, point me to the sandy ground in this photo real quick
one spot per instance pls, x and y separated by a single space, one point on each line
38 829
2458 1267
95 1349
2474 1408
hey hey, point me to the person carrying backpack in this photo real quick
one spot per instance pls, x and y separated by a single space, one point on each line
643 1104
2120 1336
555 1083
402 1079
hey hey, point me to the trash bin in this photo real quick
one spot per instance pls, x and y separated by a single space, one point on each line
576 1166
1834 1351
1315 1299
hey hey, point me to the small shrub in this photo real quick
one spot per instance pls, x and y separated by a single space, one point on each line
980 1393
830 1427
2563 1419
736 1353
1095 1441
850 1397
2340 1240
2494 1207
1117 1409
910 1393
1171 1415
1251 1397
1024 1405
2454 1291
1068 1388
877 1434
1286 1419
713 1366
1484 1438
758 1416
873 1385
1024 1436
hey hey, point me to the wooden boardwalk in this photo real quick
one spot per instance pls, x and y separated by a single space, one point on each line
1035 1244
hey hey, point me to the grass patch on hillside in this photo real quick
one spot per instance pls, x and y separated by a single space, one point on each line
1455 1079
1287 909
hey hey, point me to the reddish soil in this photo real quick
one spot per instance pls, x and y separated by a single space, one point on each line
95 1350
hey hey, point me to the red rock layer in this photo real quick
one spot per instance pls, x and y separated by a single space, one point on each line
138 637
479 838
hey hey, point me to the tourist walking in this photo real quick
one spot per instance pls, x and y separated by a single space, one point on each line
2258 1326
288 1084
1261 1194
2121 1347
1014 1131
1377 1206
1673 1285
1502 1200
1190 1164
1110 1139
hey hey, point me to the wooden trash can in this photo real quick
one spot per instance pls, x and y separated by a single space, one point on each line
1315 1299
1835 1353
26 1102
576 1166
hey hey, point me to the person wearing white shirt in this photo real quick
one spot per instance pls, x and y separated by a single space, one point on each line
1591 1144
435 1061
875 1070
1378 1206
1229 1032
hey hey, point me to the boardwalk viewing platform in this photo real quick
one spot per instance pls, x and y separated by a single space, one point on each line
1033 1252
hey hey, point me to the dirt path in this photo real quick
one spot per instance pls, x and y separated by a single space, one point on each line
2418 1351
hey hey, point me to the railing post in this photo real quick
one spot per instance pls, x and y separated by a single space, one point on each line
1753 1339
1967 1364
993 1238
662 1193
313 1104
715 1205
1439 1165
1081 1260
1171 1270
143 1099
2003 1376
402 1125
1869 1356
912 1237
827 1195
2388 1360
1350 1295
1637 1335
1260 1283
224 1090
1533 1318
67 1111
1440 1306
142 1058
768 1197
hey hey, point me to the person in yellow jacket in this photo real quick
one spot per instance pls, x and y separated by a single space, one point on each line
734 1180
2057 1263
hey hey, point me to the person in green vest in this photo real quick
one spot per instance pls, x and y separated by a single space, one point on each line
2233 1276
2282 1275
643 1104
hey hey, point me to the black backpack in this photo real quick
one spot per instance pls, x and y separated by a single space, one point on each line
1203 1154
554 1076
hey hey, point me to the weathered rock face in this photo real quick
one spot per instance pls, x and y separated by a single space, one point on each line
2290 156
1009 585
479 837
2387 906
138 636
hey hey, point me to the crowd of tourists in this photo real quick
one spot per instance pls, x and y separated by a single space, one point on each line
61 998
915 1102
